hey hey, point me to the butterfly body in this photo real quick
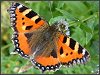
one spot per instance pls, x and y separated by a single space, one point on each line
47 47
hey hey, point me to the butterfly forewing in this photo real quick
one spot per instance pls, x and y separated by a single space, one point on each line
23 21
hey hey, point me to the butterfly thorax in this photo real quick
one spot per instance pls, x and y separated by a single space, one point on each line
42 42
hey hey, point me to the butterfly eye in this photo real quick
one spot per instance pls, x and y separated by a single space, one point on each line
62 26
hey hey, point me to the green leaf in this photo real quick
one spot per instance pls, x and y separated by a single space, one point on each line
86 28
79 36
77 7
60 4
88 37
66 14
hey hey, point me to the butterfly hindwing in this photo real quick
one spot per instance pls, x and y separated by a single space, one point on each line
70 51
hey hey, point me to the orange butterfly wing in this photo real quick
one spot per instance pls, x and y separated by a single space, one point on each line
71 52
46 63
23 20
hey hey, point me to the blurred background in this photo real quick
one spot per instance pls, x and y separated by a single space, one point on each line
83 19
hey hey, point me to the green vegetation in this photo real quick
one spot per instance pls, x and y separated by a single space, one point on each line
83 19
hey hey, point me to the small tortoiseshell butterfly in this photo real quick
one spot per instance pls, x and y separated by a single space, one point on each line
47 47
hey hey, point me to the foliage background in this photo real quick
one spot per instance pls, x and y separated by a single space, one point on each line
83 19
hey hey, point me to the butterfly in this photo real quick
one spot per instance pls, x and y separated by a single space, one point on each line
46 46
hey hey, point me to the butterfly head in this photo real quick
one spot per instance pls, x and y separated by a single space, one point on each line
62 26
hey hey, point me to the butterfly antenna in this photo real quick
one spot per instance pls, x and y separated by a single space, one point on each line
50 5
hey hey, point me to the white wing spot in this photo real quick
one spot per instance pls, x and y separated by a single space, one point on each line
81 61
20 6
34 62
39 65
12 8
16 40
12 15
83 51
16 45
78 61
74 62
42 68
84 59
11 12
26 55
15 35
47 67
52 67
21 52
17 49
56 66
